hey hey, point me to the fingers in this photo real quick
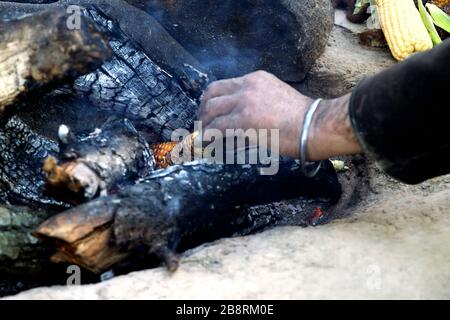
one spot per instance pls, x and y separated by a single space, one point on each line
219 89
229 121
222 88
217 107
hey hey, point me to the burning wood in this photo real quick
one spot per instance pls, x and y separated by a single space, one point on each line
107 159
135 206
171 205
40 51
98 163
129 85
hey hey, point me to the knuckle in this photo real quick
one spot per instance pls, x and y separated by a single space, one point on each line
209 106
251 78
257 78
237 82
207 111
262 73
246 113
209 90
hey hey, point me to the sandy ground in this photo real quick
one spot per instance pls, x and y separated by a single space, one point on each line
392 243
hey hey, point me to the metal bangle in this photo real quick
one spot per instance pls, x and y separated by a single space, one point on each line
310 169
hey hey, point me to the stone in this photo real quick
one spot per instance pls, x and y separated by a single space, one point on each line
236 37
20 252
345 62
5 217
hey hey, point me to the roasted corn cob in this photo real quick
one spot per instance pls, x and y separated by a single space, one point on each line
403 27
162 151
165 152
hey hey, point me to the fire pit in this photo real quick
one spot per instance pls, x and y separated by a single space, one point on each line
81 122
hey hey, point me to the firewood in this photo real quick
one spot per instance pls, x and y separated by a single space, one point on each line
104 232
111 156
180 202
42 51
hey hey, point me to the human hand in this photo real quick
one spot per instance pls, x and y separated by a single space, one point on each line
256 101
262 101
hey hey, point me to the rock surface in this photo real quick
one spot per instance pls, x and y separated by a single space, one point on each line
345 62
18 248
284 37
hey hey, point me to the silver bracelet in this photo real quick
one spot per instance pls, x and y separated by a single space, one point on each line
310 169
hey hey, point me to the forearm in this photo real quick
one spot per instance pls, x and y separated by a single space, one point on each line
400 116
331 132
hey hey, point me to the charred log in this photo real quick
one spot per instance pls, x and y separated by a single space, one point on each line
108 158
129 85
22 254
28 138
148 35
133 86
24 260
23 151
172 205
40 52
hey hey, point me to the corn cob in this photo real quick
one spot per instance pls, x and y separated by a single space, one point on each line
162 151
165 152
441 3
403 28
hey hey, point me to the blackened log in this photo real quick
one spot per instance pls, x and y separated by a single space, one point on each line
148 34
129 85
172 205
22 153
21 254
133 85
99 163
40 51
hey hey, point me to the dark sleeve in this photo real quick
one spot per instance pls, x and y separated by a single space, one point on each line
401 116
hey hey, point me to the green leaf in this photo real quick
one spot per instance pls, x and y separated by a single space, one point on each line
440 18
428 22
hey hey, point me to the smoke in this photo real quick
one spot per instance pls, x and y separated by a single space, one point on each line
230 38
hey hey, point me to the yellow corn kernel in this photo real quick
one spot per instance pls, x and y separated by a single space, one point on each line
169 153
403 27
161 152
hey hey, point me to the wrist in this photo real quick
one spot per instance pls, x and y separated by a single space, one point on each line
331 133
